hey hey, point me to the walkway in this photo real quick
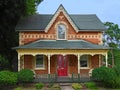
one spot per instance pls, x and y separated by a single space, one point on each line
66 86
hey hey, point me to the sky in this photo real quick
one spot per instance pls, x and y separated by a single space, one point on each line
106 10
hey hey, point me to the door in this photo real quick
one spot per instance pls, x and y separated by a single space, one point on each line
62 65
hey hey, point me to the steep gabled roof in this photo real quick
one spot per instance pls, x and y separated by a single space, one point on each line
42 22
61 44
61 9
35 22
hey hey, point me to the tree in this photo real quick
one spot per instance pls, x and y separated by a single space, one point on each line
10 13
31 6
112 37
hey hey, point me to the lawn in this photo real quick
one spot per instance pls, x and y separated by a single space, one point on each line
56 86
31 86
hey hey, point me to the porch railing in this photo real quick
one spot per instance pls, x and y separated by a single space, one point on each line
75 77
46 77
51 78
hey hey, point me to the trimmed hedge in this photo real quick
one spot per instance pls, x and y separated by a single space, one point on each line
25 75
8 78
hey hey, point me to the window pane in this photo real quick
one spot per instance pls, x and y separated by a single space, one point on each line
39 61
61 32
84 61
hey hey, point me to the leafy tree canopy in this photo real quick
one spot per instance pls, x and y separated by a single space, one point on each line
112 35
10 12
112 39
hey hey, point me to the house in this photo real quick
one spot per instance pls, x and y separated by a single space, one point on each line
62 43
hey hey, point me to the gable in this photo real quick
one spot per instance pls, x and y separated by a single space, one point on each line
61 19
59 13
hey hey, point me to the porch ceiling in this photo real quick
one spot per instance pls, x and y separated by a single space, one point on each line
62 44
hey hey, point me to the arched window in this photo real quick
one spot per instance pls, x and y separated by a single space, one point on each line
61 32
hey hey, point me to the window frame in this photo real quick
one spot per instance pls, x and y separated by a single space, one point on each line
58 32
42 68
87 60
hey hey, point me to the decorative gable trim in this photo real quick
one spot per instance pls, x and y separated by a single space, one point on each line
61 9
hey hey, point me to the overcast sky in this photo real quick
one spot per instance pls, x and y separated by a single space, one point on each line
106 10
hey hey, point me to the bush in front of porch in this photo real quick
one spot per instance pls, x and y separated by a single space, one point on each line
108 77
25 76
8 78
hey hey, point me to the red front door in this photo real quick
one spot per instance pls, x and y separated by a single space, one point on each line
62 64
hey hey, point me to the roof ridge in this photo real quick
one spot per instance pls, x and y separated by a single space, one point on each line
69 14
82 14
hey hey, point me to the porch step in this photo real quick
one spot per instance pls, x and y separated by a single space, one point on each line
65 84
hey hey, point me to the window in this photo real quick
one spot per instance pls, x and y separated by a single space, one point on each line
84 61
39 61
61 31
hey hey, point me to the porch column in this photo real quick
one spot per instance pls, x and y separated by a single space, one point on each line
106 58
19 62
78 64
48 64
99 60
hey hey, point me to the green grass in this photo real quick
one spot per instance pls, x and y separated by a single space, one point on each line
18 88
91 86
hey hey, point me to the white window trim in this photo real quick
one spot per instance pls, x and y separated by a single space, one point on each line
88 66
65 31
40 68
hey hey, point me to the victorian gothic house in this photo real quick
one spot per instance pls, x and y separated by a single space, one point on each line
61 43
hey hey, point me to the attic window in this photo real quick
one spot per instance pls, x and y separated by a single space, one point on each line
61 32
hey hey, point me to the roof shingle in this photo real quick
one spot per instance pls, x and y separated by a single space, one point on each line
61 44
38 22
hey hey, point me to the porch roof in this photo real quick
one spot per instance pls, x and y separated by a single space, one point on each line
61 44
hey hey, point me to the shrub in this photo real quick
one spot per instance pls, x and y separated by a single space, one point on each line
117 83
8 78
117 70
39 85
105 75
96 74
76 86
25 75
91 86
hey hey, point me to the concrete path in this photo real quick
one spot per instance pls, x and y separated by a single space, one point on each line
66 86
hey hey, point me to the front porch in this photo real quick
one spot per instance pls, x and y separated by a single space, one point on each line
65 65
